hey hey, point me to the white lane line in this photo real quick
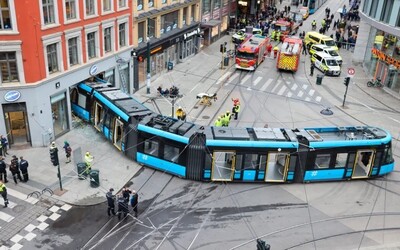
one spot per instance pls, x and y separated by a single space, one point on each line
6 217
245 79
308 99
256 81
22 196
305 86
233 77
222 78
276 86
318 99
311 92
265 86
294 87
289 94
300 94
280 92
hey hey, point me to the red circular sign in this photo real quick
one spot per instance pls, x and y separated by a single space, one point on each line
351 71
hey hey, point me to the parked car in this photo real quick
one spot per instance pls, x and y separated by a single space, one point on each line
239 36
327 64
326 49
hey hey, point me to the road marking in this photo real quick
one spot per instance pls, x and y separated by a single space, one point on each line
311 92
294 87
300 94
289 94
248 88
6 217
305 86
318 99
222 78
288 82
247 77
308 99
276 86
233 77
265 86
22 196
256 81
280 92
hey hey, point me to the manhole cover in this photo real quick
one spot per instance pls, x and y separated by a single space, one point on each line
205 117
19 208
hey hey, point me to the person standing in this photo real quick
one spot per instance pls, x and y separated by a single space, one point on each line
111 202
14 168
276 50
4 145
236 110
3 172
218 122
23 166
122 207
88 162
304 48
68 151
312 69
126 192
3 192
134 202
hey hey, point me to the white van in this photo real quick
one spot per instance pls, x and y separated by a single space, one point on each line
328 50
326 63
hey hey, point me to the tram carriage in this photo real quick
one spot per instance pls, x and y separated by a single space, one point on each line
271 155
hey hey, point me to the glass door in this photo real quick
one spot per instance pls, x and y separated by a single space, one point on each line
223 165
160 63
118 133
363 163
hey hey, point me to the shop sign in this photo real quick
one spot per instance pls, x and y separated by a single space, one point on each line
159 48
93 70
216 13
192 33
388 59
12 96
225 10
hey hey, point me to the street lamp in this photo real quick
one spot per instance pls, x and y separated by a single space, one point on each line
148 67
135 79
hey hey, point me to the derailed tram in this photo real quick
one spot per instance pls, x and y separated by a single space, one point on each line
207 153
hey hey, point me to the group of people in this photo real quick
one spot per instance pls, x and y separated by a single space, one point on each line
16 167
123 199
224 119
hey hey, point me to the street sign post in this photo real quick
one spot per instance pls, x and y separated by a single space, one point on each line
351 72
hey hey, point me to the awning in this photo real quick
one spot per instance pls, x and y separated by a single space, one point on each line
211 23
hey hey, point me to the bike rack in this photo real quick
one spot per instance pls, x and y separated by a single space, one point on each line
38 194
47 190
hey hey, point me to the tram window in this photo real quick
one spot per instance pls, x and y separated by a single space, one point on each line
263 162
81 100
292 163
322 161
107 120
250 161
238 162
151 147
171 153
277 160
377 161
341 159
74 95
352 158
388 156
208 161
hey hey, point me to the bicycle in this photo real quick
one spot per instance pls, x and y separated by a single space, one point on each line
375 83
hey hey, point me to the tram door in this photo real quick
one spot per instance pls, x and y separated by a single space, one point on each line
98 116
363 163
223 165
277 167
118 134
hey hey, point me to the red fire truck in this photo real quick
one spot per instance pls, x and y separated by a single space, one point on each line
289 54
251 52
286 28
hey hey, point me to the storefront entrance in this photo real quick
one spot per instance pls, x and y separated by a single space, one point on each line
17 126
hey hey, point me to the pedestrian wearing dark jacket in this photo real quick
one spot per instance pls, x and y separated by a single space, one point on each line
3 172
14 168
23 166
122 207
126 193
68 151
134 202
4 145
110 202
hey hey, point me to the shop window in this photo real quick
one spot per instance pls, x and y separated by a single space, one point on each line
217 4
151 147
59 113
8 64
398 20
141 32
109 76
171 153
365 7
341 159
5 18
322 161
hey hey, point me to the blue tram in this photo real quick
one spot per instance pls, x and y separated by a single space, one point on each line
227 154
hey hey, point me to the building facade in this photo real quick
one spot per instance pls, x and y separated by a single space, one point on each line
378 44
47 47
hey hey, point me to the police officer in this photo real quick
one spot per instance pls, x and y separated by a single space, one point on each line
3 172
122 207
88 161
236 110
126 192
23 166
111 202
14 168
3 192
134 201
314 25
312 69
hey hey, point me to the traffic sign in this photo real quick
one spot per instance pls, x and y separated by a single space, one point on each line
351 72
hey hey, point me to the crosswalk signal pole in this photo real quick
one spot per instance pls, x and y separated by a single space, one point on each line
346 83
55 161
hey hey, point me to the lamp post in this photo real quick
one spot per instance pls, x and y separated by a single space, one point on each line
148 67
134 70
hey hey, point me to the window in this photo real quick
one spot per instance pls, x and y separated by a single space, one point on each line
107 40
141 32
8 64
48 12
52 58
171 153
5 19
217 4
70 9
250 161
193 13
374 7
387 11
163 1
169 22
122 34
206 6
322 161
139 5
151 147
185 10
91 45
73 51
122 4
151 3
341 159
107 5
151 28
90 6
365 7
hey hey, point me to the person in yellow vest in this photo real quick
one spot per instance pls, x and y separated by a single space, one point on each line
278 36
218 122
224 122
88 161
273 33
3 193
228 117
180 114
276 50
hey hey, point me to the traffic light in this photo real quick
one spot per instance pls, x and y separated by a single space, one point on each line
54 156
346 81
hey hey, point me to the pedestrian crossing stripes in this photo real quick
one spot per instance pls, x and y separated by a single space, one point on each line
6 217
22 196
281 87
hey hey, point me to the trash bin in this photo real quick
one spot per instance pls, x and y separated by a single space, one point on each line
81 166
94 178
319 79
226 61
170 65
